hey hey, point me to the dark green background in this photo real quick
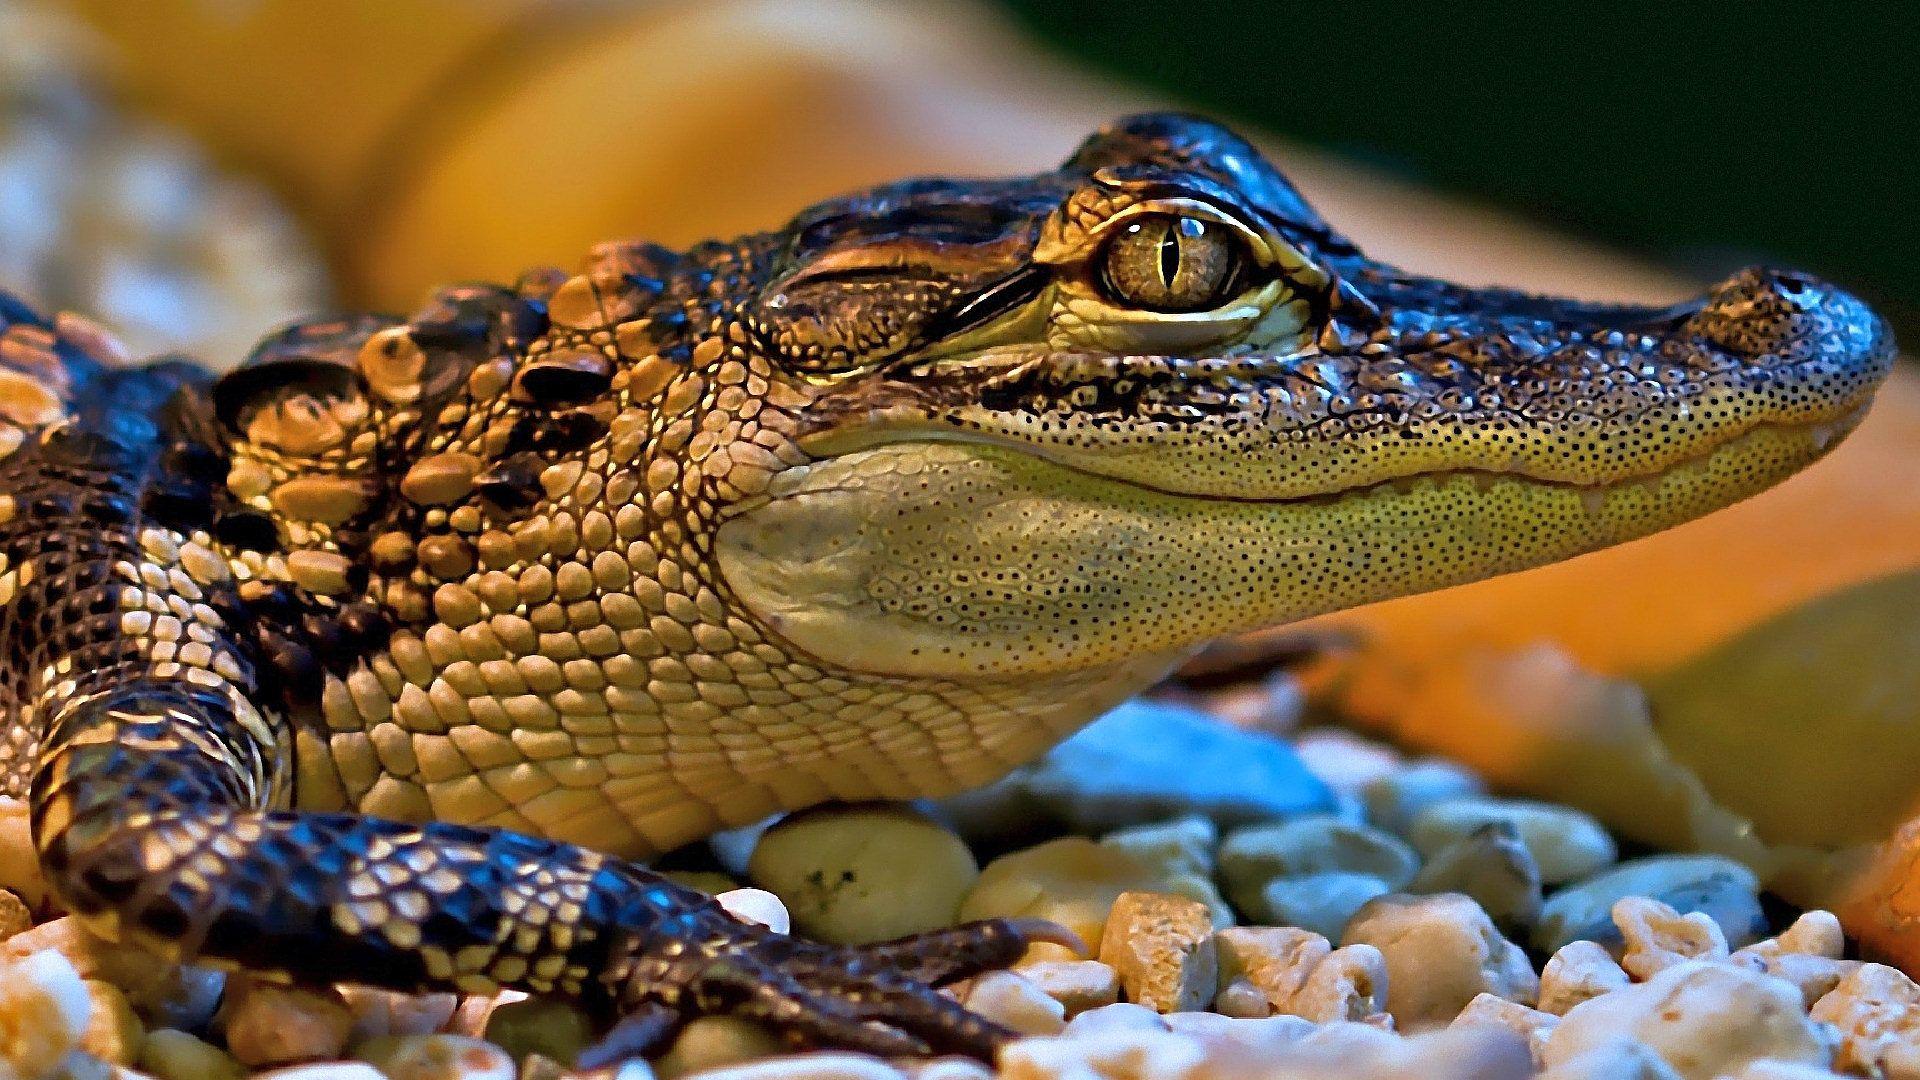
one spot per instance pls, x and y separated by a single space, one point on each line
1705 136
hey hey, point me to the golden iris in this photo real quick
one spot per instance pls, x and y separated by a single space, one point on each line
1172 263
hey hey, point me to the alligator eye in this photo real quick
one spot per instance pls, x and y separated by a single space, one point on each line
1166 262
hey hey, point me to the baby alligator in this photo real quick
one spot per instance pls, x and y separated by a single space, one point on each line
383 658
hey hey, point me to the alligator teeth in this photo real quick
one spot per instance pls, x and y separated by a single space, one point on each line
1593 500
1823 435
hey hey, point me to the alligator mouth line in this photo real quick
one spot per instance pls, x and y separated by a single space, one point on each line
1823 434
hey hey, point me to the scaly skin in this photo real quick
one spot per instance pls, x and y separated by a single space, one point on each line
381 658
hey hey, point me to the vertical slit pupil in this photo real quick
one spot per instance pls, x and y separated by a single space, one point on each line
1169 257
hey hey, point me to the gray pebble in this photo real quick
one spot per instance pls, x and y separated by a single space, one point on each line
1393 800
1144 762
1251 857
1491 865
1566 844
1724 889
1323 903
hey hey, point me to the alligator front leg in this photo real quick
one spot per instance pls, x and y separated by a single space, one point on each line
148 811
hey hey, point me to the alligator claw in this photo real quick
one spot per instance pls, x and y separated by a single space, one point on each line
880 998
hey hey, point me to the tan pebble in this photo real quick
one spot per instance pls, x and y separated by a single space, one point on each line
1162 947
855 874
329 500
44 1010
1276 959
15 916
711 1042
1440 951
440 479
1876 1009
1242 999
170 1054
1349 983
113 1032
1078 985
139 973
384 1012
1658 937
1072 881
436 1057
322 572
1013 1001
1534 1026
273 1025
19 859
1580 971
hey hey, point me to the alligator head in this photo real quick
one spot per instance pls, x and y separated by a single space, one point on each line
1151 398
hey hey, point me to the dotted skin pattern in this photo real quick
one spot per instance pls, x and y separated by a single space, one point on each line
387 656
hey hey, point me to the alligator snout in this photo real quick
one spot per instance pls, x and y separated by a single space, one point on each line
1770 317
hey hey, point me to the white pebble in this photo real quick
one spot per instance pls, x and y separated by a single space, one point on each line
437 1057
1580 971
1078 985
44 1009
1117 1054
1349 983
1704 1019
1620 1059
1534 1026
1014 1002
1276 960
325 1070
1125 1016
757 906
1440 952
1876 1009
1659 937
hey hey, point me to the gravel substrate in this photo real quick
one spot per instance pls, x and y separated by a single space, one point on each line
1348 914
